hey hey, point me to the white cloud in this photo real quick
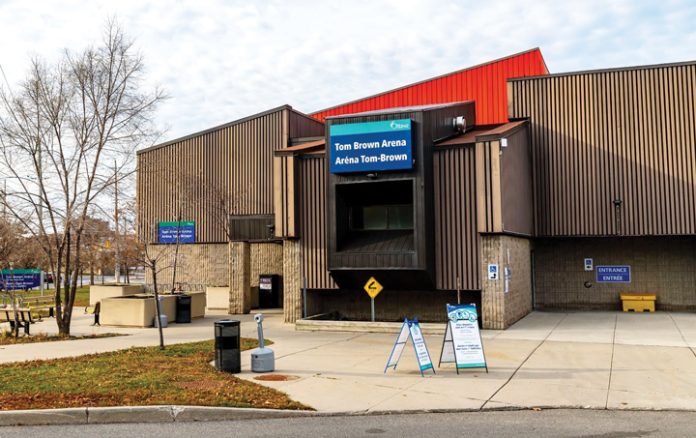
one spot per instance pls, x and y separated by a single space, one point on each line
221 60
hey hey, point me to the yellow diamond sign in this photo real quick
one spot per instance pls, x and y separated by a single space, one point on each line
372 287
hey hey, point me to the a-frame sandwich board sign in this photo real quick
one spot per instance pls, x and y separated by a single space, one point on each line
411 328
462 344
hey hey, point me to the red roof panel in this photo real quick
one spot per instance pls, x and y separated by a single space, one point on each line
486 84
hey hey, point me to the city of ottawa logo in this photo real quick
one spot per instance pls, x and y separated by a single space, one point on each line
396 125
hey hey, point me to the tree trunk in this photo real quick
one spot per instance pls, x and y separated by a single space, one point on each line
91 273
153 263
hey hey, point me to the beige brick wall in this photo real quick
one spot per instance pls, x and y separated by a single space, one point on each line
198 265
240 276
292 293
266 258
664 265
500 309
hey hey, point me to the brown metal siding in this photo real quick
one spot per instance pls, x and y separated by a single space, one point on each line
488 199
301 125
516 184
627 134
457 242
312 219
235 160
285 182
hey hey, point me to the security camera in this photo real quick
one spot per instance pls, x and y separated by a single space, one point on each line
258 317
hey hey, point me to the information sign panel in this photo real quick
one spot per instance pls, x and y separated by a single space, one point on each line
20 279
462 343
412 329
370 146
167 232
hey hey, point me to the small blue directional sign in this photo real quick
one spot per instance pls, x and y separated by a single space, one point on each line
613 274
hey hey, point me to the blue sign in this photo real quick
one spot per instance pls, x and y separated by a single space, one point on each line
20 279
370 146
613 274
167 232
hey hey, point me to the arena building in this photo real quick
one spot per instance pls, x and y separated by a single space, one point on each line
499 184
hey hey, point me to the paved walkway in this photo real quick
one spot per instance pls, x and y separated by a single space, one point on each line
585 359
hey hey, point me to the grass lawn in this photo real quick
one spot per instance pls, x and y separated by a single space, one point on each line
181 374
81 295
7 339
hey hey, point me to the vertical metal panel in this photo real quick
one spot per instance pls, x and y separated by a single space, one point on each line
232 163
517 203
626 134
457 241
312 221
301 125
285 181
485 84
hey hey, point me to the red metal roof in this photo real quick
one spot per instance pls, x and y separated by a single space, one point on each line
486 84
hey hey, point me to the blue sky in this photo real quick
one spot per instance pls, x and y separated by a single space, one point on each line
222 60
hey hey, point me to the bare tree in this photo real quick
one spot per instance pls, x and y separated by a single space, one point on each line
10 242
61 131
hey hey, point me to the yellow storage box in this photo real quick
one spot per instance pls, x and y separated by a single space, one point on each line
638 301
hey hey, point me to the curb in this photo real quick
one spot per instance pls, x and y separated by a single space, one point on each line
140 414
175 413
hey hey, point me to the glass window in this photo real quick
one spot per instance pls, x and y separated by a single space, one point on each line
382 217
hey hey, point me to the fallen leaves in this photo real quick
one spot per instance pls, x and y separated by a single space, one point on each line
181 374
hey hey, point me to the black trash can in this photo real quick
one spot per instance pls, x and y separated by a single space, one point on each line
183 309
269 291
227 350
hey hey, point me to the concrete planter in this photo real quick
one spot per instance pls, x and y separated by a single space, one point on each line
99 292
129 311
218 297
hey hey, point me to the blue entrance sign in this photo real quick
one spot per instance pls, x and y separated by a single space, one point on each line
167 232
613 274
20 279
370 146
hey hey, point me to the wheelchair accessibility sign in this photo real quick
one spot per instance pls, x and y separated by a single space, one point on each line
493 272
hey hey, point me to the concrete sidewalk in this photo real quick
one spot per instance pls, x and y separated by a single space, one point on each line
586 359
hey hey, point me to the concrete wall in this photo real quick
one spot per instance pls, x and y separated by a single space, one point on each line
664 265
500 307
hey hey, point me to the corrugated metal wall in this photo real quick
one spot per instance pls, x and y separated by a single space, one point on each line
285 183
233 162
516 184
312 218
486 84
302 125
457 242
488 200
602 136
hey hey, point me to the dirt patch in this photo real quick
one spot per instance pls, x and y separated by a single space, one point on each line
275 377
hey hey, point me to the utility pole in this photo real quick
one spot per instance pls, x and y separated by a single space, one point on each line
117 269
